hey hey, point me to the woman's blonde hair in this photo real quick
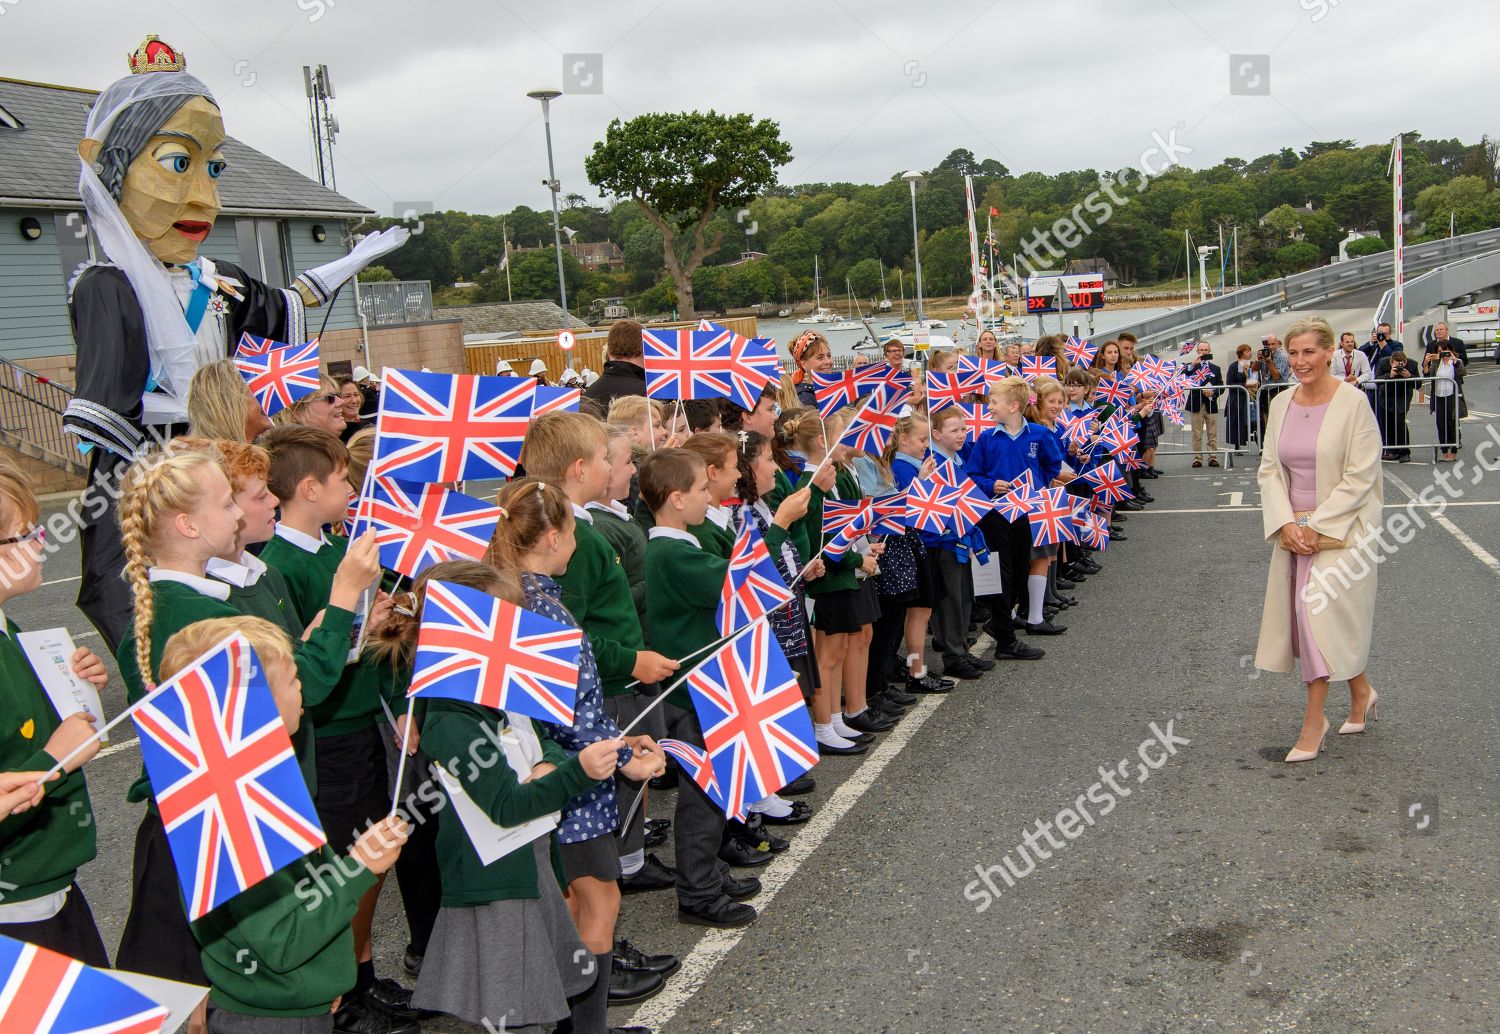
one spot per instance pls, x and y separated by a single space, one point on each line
395 641
155 487
297 412
631 410
529 507
270 642
1313 325
1040 389
218 398
361 446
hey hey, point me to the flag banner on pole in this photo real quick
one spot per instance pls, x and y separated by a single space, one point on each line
487 651
929 504
1108 482
756 729
231 794
976 420
753 586
694 761
1112 389
1051 518
1075 427
989 370
875 423
417 526
250 345
1034 366
947 472
696 364
1080 353
834 391
46 992
969 507
887 514
447 427
281 377
883 375
951 389
753 364
547 399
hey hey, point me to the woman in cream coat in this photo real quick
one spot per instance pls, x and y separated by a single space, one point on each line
1320 475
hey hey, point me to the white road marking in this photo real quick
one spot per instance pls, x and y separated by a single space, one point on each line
1235 498
1387 506
115 748
59 581
1481 554
714 945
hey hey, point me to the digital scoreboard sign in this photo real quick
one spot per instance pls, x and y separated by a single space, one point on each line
1084 291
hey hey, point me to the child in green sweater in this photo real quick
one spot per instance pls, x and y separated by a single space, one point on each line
612 517
45 833
308 475
683 586
719 453
504 949
176 511
282 952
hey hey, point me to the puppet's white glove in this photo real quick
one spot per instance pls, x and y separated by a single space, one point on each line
323 280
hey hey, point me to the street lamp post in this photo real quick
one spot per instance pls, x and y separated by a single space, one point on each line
547 97
911 178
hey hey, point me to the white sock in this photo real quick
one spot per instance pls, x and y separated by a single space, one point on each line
916 658
1036 587
826 735
840 727
774 806
631 863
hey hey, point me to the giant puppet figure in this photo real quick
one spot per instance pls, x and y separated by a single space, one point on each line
149 317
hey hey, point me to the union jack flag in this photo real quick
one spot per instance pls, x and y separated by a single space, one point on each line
753 587
45 992
947 472
752 364
695 763
874 423
445 427
420 525
251 345
887 514
1093 529
1015 503
976 420
688 364
834 391
1080 353
969 506
1052 518
756 728
929 504
1108 482
231 794
1034 366
1112 389
1076 428
987 370
482 650
280 377
547 399
896 382
845 524
950 389
1119 439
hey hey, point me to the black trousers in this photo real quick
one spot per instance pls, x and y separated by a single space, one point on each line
71 932
950 618
1395 436
885 644
1010 542
697 827
1445 408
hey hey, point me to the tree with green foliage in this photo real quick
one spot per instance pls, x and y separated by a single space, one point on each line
682 169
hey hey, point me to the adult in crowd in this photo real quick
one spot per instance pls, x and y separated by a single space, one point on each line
325 410
1392 400
624 365
369 392
352 401
988 346
1445 361
1320 486
1274 370
1237 403
895 354
220 405
1381 344
1203 403
1352 366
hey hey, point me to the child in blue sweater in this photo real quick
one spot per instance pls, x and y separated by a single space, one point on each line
950 555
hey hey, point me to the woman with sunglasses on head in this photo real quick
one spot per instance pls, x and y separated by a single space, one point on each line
325 410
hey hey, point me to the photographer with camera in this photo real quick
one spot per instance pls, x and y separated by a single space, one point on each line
1274 371
1445 360
1381 345
1391 403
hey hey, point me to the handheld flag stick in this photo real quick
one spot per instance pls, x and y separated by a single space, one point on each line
634 807
102 731
650 431
411 704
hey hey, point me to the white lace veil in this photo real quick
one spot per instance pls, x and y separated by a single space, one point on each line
170 340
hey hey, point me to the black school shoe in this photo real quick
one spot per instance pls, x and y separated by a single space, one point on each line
655 837
964 668
723 916
804 783
870 721
412 962
929 683
1046 628
395 999
360 1015
743 851
654 875
630 984
1019 651
899 698
629 955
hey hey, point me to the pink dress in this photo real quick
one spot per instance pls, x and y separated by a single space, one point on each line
1298 449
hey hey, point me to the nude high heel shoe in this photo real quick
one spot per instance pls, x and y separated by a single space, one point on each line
1308 755
1348 728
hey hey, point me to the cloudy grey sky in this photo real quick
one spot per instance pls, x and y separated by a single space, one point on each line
431 96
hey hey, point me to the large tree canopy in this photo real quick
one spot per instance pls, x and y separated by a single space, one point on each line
681 169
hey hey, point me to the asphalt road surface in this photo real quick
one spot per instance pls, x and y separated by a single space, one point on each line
1228 890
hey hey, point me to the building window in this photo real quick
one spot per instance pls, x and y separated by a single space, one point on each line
264 250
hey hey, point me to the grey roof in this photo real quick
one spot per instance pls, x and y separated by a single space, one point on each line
501 317
40 160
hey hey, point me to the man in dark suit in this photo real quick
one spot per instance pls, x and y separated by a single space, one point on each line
1392 400
1203 403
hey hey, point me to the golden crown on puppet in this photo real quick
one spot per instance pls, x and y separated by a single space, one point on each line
155 56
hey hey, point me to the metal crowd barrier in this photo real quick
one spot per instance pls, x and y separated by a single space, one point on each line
1404 428
1221 435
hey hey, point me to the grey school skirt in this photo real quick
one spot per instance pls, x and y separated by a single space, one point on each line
516 960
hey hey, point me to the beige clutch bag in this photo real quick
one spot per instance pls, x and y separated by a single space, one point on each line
1324 541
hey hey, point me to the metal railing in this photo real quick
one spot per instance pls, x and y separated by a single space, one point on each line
1473 279
31 410
1392 399
1302 289
396 301
1201 437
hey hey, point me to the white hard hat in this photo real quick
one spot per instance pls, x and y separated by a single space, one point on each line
589 376
570 377
502 367
362 374
537 366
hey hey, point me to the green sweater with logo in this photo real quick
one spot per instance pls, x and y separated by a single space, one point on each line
285 947
597 593
463 739
683 586
629 540
41 848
